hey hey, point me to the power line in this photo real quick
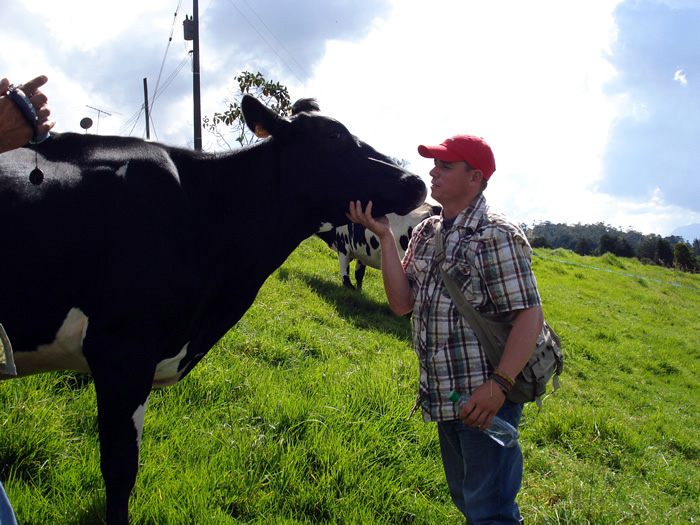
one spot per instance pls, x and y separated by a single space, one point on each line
268 43
166 83
165 56
278 40
172 76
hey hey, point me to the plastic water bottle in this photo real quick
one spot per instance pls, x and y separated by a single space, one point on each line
499 430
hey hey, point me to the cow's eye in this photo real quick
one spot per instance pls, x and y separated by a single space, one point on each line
334 135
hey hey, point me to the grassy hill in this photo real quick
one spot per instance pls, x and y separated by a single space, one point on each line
301 413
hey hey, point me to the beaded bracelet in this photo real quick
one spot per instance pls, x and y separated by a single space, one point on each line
505 386
505 377
503 389
23 103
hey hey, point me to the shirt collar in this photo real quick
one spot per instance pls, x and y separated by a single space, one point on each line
472 215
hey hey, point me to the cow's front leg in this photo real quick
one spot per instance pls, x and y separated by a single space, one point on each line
121 404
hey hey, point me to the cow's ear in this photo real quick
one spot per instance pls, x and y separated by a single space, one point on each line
261 120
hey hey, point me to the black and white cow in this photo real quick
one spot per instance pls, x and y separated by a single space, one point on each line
355 242
132 259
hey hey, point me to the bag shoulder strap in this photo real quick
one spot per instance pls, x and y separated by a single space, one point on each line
488 341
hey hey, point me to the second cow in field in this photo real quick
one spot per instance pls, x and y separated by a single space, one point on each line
355 242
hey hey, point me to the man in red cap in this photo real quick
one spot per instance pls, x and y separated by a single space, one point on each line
490 258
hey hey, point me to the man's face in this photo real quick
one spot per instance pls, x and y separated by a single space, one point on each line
450 181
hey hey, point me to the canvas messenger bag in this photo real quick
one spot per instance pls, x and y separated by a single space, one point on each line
547 360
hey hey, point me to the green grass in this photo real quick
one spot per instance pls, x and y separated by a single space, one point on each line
300 413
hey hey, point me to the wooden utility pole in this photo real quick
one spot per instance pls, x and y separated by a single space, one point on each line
145 102
195 79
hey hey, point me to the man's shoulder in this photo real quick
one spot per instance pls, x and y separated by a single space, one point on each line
495 222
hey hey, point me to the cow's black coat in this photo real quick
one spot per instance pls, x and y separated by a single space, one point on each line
163 249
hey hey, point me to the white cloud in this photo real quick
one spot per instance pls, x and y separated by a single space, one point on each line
533 90
530 77
82 25
680 78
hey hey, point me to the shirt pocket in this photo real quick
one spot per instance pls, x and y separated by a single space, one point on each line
418 272
461 273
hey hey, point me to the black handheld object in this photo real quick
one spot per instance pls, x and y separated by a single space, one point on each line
24 104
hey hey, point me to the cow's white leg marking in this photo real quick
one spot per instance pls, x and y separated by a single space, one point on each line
166 371
64 353
138 418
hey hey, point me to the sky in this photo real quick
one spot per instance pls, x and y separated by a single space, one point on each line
591 106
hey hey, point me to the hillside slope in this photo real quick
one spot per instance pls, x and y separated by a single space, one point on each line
301 413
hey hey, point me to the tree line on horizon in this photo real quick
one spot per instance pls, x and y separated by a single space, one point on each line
599 238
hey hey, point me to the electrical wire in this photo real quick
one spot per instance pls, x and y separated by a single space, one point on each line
265 40
172 77
278 40
135 118
158 90
170 40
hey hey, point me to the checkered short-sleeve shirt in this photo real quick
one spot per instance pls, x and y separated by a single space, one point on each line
490 257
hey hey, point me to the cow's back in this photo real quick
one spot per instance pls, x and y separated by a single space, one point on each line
108 220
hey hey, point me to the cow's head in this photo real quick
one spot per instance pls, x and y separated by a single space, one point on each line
326 167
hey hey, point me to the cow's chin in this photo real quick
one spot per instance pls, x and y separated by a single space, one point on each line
399 208
334 219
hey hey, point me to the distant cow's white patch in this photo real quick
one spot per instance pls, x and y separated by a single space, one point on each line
64 353
167 370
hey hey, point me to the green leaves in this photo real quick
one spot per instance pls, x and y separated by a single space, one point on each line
273 94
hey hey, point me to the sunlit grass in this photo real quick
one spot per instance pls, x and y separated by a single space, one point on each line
300 413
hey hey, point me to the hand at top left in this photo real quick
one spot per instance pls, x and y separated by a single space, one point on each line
39 101
15 131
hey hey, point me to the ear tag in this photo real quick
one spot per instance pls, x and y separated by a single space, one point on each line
36 176
261 132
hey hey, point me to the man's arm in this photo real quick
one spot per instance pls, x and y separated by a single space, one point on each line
398 291
521 341
488 398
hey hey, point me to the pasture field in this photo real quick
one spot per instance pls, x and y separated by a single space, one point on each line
300 414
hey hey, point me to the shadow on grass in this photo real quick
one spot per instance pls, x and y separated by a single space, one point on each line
360 310
93 513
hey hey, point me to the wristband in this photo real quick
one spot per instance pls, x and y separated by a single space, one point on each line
503 389
21 100
505 377
505 386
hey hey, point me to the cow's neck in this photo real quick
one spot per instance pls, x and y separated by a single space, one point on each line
226 188
239 255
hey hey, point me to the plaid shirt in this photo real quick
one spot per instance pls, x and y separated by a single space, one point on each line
490 257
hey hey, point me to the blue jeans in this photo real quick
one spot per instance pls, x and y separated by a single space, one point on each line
483 477
7 517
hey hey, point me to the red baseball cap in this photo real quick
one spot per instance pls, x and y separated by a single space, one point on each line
473 150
